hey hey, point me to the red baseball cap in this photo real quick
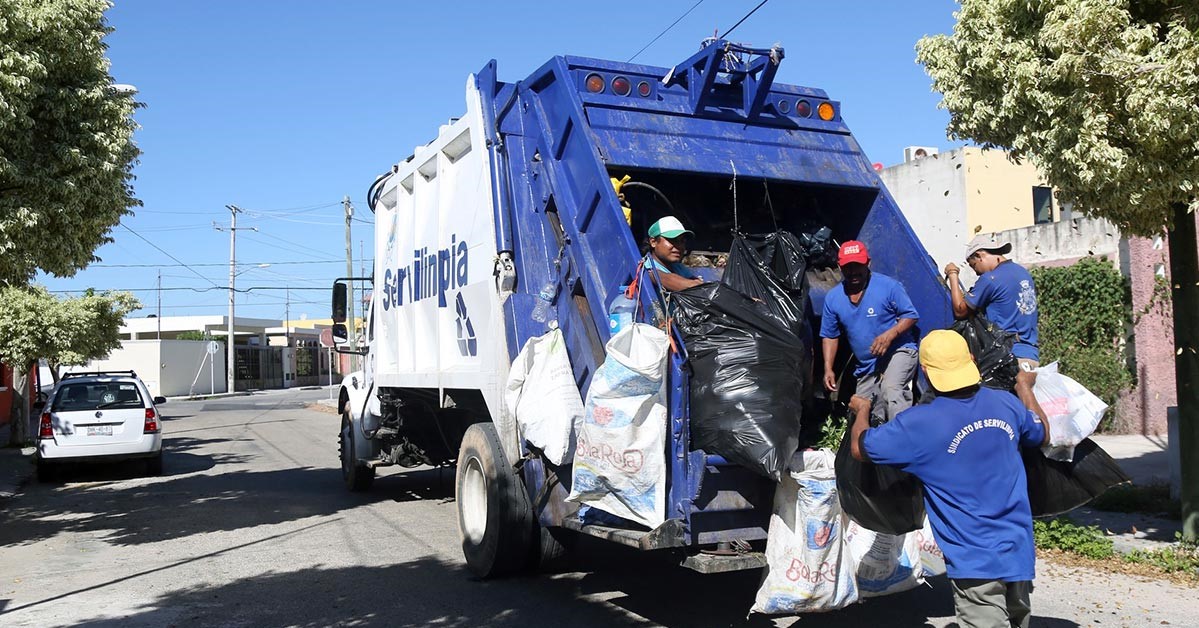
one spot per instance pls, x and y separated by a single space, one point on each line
851 252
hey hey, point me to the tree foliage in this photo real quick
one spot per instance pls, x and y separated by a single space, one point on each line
1101 95
35 324
1083 310
66 138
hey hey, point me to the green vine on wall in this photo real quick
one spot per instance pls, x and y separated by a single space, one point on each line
1083 310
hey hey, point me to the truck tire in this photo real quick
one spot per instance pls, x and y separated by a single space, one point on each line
550 553
358 477
495 518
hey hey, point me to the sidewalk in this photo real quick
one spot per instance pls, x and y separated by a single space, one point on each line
16 465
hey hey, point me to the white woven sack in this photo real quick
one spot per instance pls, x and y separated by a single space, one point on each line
620 455
884 563
808 567
542 394
932 560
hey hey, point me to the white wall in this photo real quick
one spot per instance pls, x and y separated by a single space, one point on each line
167 367
931 194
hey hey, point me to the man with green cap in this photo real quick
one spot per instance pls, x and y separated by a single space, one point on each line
667 245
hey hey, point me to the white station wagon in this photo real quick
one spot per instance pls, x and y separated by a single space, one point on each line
100 417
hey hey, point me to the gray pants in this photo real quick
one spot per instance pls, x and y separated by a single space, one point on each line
889 386
991 603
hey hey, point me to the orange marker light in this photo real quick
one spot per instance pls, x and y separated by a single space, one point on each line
825 111
595 83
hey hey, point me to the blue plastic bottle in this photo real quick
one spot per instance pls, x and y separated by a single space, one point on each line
620 313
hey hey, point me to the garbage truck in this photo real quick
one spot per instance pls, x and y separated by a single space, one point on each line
526 215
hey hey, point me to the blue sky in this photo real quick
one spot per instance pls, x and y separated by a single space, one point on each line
283 108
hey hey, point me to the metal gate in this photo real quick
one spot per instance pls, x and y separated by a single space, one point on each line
258 368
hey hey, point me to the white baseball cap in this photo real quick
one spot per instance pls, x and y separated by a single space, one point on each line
667 227
988 242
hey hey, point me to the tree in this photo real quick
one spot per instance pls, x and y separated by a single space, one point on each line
35 324
66 138
1103 97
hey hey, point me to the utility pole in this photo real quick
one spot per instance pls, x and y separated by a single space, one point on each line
158 316
287 317
351 331
230 361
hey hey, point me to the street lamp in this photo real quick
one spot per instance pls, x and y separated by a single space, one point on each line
230 364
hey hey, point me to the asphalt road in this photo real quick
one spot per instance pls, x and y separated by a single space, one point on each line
250 526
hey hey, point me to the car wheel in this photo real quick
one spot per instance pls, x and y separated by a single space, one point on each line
358 477
495 518
46 471
154 465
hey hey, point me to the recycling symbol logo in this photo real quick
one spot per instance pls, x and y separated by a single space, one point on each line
468 344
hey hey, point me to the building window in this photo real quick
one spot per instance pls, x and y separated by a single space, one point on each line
1042 204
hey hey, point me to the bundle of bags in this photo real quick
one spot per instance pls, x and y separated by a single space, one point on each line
818 559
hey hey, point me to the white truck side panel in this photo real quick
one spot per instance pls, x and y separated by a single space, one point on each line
439 319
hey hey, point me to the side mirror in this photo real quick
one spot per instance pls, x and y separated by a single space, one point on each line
158 401
340 302
340 334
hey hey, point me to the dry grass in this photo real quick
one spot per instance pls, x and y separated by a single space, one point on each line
1117 565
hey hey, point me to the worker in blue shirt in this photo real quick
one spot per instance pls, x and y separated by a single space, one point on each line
667 245
1006 295
875 314
965 447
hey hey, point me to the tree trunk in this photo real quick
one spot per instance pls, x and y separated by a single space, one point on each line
1184 275
19 435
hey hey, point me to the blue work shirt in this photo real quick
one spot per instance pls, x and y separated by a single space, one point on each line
883 303
674 268
1008 298
967 453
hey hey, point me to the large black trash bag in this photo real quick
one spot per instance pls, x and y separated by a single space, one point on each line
749 348
819 249
1056 487
992 351
878 497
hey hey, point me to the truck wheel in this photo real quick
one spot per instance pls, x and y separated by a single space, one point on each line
358 477
495 518
550 553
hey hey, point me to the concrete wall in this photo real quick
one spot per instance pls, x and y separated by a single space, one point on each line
133 355
1064 242
167 367
931 193
998 192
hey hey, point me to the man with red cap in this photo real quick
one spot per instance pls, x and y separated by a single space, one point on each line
876 316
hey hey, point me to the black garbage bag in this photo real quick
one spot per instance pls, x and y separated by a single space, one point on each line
1056 487
819 249
878 497
992 350
748 342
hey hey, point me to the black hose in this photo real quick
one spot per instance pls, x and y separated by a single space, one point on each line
656 191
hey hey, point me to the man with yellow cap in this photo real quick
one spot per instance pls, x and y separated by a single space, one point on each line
965 447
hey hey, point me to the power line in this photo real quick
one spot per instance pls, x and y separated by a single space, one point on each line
168 254
665 30
197 265
746 17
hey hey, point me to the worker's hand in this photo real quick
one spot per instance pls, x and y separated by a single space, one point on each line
951 269
830 381
858 405
882 343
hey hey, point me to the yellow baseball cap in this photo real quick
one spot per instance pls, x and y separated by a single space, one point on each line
947 361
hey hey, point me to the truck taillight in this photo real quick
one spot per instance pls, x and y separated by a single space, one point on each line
46 430
595 83
803 108
621 86
643 89
151 425
825 111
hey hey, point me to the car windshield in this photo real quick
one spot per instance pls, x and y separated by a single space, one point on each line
97 396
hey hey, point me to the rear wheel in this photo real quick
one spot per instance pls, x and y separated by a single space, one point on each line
357 476
46 471
495 518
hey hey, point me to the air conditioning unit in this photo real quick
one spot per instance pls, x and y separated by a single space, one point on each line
912 153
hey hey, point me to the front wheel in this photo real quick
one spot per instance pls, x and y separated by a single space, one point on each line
495 518
357 476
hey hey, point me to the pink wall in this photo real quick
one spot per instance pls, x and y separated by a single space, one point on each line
1143 409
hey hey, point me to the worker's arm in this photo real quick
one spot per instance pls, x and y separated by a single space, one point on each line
859 408
674 282
961 309
882 343
828 346
1024 390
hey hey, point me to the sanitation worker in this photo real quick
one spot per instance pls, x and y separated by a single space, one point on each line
965 447
667 245
1006 295
876 316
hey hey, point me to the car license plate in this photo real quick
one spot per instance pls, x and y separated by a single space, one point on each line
99 430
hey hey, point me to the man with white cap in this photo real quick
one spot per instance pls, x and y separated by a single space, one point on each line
667 246
965 447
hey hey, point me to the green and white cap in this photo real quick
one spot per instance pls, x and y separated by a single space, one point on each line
667 227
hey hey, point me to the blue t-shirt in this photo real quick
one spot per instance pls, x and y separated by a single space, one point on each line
967 453
883 303
675 268
1008 298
